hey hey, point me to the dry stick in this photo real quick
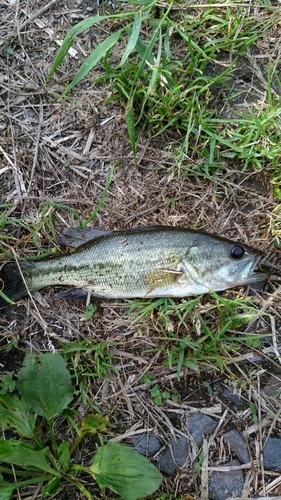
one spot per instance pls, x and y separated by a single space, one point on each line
204 471
43 322
36 146
260 437
256 498
37 14
265 307
225 5
28 21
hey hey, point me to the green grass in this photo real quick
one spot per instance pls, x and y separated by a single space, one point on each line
197 335
163 82
161 77
88 360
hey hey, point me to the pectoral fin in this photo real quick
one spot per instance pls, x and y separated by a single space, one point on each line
159 278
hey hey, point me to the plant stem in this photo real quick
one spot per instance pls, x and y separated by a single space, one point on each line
53 438
77 483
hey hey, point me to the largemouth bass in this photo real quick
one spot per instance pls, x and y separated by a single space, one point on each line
139 263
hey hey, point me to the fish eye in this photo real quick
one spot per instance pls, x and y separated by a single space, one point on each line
237 252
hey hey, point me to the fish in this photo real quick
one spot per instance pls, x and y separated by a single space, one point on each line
146 262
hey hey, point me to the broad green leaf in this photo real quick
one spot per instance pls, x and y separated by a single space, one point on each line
44 384
7 384
133 38
15 415
64 455
94 423
52 487
6 491
125 471
17 453
99 52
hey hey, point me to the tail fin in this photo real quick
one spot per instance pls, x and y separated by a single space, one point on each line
11 283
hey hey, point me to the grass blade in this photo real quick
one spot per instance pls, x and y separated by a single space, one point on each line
104 193
133 38
93 59
67 42
130 122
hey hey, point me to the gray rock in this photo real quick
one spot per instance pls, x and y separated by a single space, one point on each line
237 444
200 425
272 454
174 455
223 485
146 444
231 394
273 388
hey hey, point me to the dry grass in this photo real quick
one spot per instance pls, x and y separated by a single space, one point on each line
61 152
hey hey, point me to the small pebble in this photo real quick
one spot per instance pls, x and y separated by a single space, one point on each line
231 394
272 454
174 455
200 425
272 389
237 444
146 444
223 485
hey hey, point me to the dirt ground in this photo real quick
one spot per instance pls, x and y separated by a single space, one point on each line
59 153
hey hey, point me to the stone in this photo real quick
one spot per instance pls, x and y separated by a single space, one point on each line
174 455
223 485
237 444
200 425
146 444
273 389
231 394
272 454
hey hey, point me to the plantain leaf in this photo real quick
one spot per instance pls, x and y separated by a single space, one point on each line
18 453
51 488
94 423
44 384
15 415
125 471
64 455
6 491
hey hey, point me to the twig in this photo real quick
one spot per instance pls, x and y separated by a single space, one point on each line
37 14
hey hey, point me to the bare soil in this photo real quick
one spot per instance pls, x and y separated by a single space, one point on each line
60 152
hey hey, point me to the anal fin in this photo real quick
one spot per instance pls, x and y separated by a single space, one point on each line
72 294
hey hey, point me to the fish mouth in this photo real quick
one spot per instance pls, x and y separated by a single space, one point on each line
247 271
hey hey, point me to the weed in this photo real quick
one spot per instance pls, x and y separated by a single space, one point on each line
44 392
88 361
162 81
196 342
90 311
